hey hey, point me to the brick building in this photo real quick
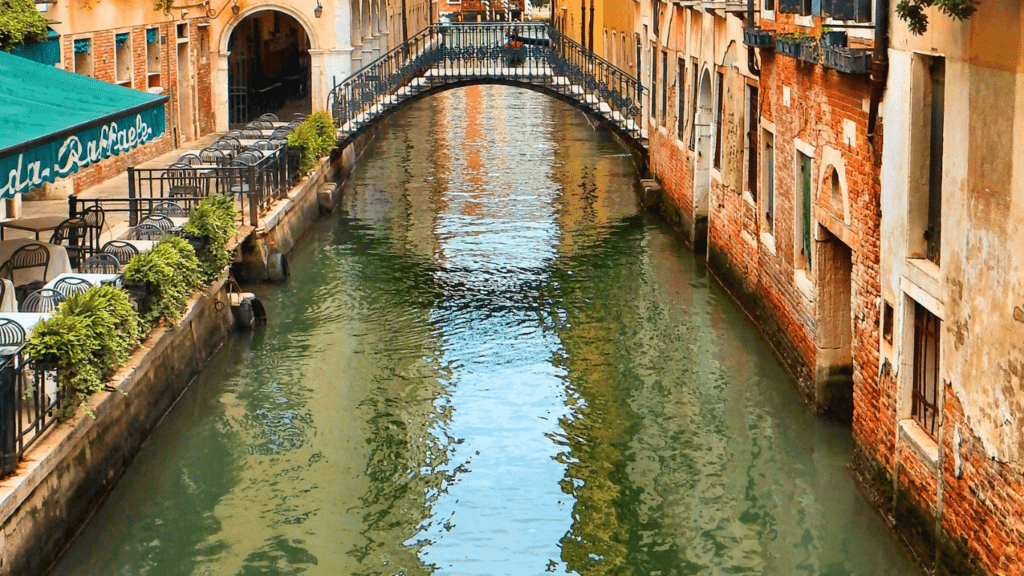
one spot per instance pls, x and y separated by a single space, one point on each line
766 138
943 415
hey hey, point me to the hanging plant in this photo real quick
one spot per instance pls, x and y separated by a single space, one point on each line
163 6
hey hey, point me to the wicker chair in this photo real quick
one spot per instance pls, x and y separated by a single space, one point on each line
71 285
145 231
11 333
72 235
101 263
171 209
190 159
159 220
214 156
121 250
45 300
269 117
29 257
252 134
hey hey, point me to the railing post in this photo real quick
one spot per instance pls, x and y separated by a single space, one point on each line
253 206
133 208
8 415
72 205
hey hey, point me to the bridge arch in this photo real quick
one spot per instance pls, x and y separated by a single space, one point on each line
637 146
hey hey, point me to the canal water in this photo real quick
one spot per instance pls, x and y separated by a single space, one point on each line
489 362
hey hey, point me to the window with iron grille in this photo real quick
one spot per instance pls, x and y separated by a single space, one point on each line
681 98
924 395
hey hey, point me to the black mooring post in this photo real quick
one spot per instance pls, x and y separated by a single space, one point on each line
133 209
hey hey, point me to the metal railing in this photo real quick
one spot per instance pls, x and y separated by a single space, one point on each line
253 187
532 53
29 398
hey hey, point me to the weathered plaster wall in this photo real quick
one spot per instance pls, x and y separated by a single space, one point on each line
970 474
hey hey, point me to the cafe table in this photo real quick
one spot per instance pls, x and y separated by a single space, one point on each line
93 279
36 225
59 261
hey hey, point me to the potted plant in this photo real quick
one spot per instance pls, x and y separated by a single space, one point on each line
788 44
810 50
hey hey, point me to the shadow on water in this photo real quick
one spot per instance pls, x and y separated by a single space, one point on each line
489 362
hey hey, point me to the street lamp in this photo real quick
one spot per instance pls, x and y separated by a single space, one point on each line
319 10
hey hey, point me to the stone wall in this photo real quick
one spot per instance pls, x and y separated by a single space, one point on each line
67 473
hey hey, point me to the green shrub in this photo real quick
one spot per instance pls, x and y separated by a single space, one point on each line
20 22
315 137
214 220
170 271
89 337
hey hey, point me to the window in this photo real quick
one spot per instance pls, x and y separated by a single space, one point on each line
123 59
768 177
693 102
925 189
752 125
654 83
681 98
614 50
152 58
933 233
83 56
605 55
769 4
664 88
887 323
625 59
803 212
857 10
719 117
924 394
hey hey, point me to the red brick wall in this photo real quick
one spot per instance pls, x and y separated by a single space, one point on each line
104 62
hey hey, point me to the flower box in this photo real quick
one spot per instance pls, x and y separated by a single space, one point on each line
787 46
758 38
848 60
809 50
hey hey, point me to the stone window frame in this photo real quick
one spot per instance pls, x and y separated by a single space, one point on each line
910 429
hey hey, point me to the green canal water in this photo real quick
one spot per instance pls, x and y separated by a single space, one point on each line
489 362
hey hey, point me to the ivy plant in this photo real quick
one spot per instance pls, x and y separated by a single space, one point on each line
912 11
88 338
315 137
170 270
20 22
214 220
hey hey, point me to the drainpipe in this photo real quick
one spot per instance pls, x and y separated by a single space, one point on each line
590 45
879 67
751 61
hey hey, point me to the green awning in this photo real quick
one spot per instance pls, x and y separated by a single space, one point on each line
56 122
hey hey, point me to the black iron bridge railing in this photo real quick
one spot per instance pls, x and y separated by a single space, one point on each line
517 53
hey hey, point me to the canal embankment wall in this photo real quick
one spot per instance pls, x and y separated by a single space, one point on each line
68 472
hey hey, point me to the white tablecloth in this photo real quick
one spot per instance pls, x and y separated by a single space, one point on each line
28 320
94 279
10 301
59 262
142 245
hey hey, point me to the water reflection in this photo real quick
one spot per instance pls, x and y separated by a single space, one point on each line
488 362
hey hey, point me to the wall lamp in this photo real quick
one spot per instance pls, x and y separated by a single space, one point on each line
319 10
235 8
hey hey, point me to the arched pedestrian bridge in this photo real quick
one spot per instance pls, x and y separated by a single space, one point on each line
528 55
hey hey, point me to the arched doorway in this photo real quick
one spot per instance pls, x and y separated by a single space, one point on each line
702 169
269 67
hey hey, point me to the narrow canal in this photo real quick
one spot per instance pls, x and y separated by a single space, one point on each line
490 363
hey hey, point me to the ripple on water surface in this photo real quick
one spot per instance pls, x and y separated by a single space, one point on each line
488 362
